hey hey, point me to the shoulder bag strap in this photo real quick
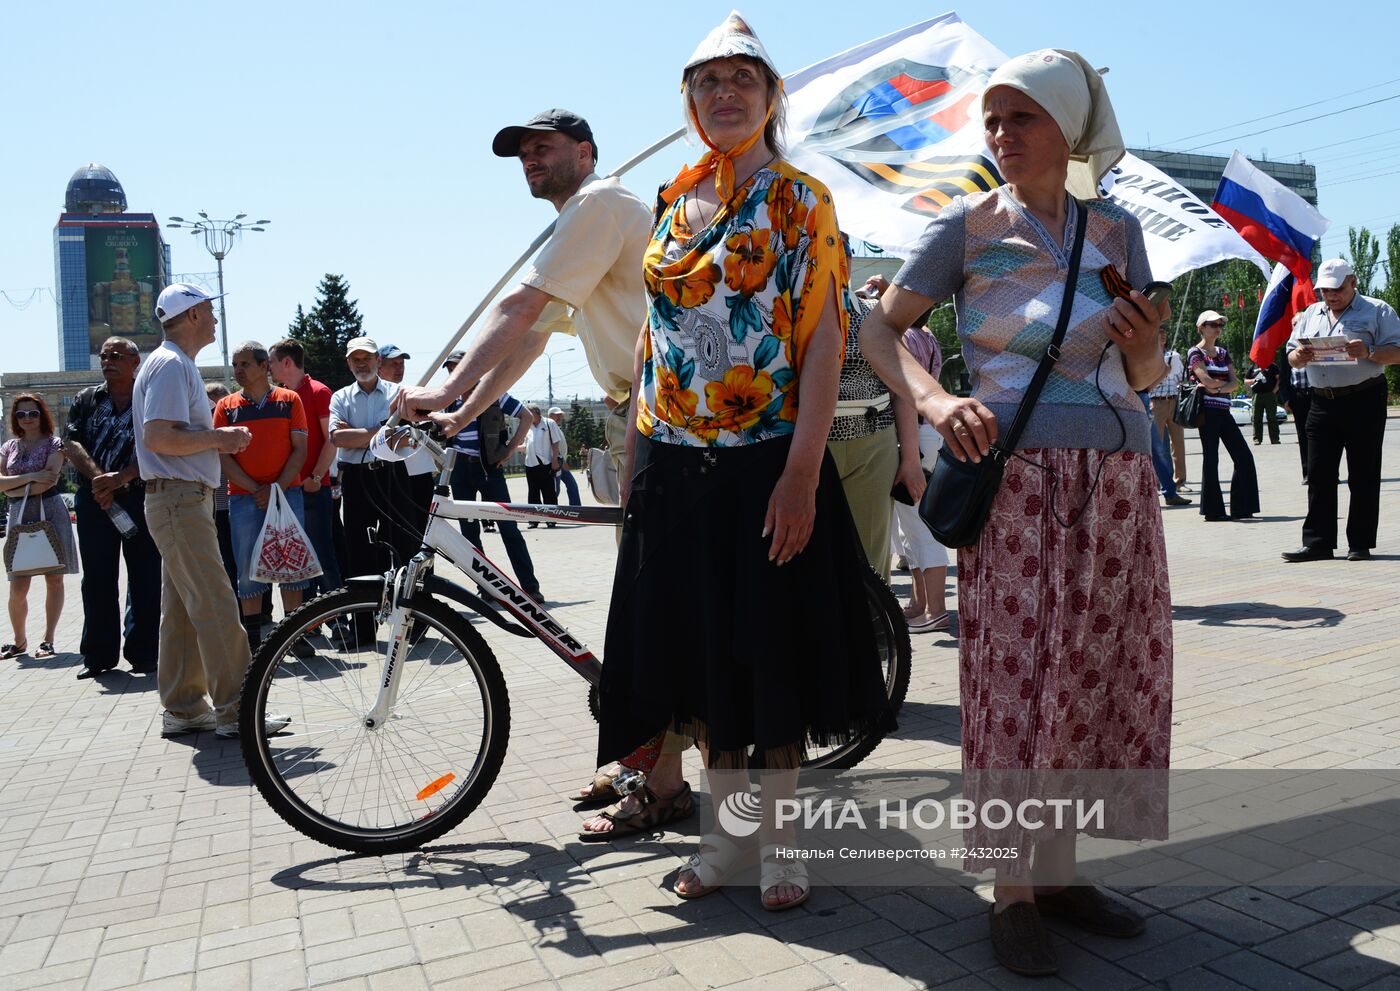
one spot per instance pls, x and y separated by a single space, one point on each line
1008 443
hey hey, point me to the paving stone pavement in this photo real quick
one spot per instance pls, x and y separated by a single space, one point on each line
135 862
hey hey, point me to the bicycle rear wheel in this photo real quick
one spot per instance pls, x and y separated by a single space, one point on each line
383 790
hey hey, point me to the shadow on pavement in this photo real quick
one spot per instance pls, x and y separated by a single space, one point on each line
934 721
1259 616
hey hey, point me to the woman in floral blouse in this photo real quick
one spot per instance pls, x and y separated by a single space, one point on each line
736 530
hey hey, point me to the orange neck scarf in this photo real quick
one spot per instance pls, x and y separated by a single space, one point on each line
721 163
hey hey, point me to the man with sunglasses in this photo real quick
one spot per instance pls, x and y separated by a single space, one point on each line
100 444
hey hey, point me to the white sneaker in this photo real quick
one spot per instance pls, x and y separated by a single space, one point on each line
271 725
173 725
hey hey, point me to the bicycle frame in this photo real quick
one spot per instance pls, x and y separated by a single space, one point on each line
441 538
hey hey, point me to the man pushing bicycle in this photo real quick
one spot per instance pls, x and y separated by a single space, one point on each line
585 281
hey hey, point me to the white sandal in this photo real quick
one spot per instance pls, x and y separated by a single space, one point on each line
725 859
773 872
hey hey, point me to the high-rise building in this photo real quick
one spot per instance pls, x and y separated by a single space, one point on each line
109 267
1201 173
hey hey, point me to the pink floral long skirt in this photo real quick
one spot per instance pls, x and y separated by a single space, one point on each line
1066 638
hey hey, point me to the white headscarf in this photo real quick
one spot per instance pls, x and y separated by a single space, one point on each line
1073 94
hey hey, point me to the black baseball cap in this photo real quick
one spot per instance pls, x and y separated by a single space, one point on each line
454 358
507 141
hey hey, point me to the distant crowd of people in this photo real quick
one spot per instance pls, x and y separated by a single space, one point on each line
282 427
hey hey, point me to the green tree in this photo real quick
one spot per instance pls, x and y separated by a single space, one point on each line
943 324
1365 252
332 323
1391 294
581 432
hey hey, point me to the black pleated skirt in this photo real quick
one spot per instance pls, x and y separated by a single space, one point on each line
710 639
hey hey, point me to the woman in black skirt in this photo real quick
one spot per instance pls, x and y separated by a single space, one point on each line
738 615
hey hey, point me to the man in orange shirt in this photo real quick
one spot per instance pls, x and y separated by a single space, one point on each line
276 455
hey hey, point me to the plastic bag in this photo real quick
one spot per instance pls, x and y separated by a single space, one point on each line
283 554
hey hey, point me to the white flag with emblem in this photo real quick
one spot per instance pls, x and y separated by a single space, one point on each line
892 128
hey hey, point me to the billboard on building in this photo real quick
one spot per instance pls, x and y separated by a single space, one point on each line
125 274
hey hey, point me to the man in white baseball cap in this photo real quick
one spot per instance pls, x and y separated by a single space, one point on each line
1348 407
203 654
564 476
178 297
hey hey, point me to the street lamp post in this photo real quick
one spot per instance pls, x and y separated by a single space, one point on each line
219 239
549 360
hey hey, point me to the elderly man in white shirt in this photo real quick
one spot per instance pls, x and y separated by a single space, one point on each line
544 453
373 496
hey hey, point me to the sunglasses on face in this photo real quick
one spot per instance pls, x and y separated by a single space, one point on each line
25 414
114 355
1214 323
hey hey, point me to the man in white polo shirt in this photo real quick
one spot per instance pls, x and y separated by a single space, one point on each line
202 648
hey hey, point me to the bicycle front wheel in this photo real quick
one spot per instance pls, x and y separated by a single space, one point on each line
378 790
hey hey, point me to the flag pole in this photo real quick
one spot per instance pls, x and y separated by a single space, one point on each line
430 370
1185 298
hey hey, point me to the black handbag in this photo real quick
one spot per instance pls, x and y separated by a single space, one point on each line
959 495
1190 404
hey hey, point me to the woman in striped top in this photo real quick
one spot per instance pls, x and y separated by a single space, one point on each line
1215 372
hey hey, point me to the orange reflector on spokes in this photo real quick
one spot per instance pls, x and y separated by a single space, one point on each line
437 785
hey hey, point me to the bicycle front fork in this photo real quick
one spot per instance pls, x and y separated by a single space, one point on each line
399 587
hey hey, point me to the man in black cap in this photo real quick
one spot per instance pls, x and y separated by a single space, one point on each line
585 281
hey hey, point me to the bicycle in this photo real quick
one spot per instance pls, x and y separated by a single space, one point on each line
401 715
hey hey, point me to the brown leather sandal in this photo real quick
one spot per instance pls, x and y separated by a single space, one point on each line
600 792
654 813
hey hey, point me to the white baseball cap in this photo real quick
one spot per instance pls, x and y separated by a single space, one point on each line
1210 316
178 297
1332 273
553 410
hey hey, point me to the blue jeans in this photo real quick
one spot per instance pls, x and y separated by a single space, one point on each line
320 510
472 482
245 523
567 478
1161 455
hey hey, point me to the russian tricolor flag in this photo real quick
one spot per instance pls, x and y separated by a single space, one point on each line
1274 220
1287 294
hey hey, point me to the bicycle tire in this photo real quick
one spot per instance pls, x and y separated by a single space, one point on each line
298 773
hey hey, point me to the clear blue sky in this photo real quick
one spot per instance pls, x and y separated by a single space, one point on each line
363 130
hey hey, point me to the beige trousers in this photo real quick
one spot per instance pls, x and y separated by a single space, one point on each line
1162 410
203 648
867 466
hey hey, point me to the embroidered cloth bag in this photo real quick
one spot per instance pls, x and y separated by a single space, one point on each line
283 554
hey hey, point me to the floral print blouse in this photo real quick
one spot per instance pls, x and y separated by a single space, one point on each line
732 310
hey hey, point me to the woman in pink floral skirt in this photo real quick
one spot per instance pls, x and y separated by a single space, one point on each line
1065 611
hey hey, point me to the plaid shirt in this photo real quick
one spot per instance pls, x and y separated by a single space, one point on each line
1166 389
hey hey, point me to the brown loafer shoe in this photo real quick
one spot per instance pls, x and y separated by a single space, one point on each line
1021 942
1088 908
